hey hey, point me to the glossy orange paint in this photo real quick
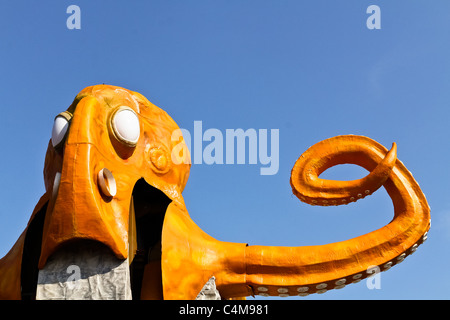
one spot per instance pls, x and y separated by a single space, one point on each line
243 270
78 209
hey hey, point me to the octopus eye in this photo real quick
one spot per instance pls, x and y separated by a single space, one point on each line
125 126
60 128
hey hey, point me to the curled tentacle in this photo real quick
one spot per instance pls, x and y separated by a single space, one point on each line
311 189
284 271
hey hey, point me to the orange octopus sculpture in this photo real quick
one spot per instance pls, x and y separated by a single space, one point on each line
110 179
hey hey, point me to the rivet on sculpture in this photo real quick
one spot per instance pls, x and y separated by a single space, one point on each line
113 223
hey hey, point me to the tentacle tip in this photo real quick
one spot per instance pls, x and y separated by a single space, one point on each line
394 145
394 148
391 156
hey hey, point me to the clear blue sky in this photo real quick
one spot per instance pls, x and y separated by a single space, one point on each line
311 69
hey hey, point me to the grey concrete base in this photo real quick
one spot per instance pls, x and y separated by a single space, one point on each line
209 291
84 271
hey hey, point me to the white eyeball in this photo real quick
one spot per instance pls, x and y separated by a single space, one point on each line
125 124
60 127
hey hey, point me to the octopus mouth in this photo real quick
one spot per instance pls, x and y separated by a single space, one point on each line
87 269
150 205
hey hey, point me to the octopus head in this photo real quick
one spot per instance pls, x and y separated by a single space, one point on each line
109 174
